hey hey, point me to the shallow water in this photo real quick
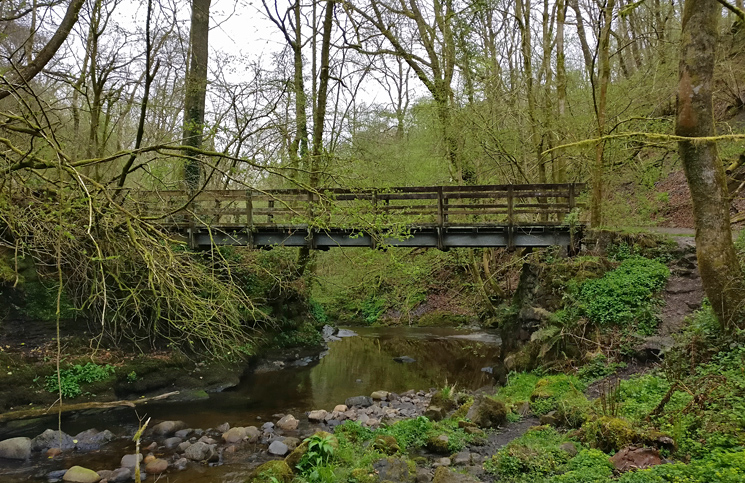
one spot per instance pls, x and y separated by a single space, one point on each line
352 366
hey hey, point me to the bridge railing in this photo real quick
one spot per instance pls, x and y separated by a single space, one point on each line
443 206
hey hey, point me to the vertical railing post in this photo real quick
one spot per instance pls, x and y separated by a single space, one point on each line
250 217
440 219
510 198
270 207
572 201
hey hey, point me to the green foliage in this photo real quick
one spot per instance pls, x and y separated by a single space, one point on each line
318 312
72 378
532 456
598 368
717 467
410 433
41 302
589 466
304 335
624 296
314 465
371 309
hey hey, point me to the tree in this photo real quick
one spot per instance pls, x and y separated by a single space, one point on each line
196 88
718 265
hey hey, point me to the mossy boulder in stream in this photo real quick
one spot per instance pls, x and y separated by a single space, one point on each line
270 471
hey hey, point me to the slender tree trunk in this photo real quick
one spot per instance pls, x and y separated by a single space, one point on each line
561 90
717 261
596 210
196 89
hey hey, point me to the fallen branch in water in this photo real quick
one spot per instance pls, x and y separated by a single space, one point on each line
39 412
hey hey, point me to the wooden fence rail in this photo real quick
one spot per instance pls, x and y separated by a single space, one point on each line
436 206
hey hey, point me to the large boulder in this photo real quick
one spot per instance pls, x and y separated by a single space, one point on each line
78 474
252 434
395 470
270 471
52 439
487 413
15 448
439 444
130 460
317 416
201 451
234 435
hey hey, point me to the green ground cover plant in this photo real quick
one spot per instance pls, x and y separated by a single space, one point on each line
72 378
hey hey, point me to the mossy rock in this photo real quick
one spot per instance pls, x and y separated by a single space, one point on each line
446 475
386 444
270 470
439 444
361 475
487 413
461 412
441 400
608 434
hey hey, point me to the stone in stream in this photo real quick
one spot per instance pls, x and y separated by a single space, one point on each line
487 413
234 435
442 462
173 442
180 464
183 433
317 416
462 459
130 460
252 434
182 446
78 474
446 475
206 439
379 395
435 413
156 466
167 428
287 423
278 448
340 408
223 428
201 451
52 439
120 475
359 401
291 443
15 448
92 439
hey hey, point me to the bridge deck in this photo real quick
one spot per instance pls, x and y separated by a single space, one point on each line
439 217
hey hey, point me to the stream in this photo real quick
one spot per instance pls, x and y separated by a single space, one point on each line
360 362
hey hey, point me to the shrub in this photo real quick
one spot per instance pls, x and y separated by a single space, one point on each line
71 379
624 295
534 455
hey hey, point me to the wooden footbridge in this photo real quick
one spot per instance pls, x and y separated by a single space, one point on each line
528 215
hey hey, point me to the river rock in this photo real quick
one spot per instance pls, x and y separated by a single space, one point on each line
78 474
287 423
278 448
182 446
52 439
92 439
183 433
180 464
340 408
442 462
252 434
156 467
435 413
633 458
130 460
291 443
149 458
438 444
201 451
167 428
569 448
359 401
234 435
462 459
172 442
550 418
363 418
56 475
393 469
120 475
424 475
317 416
379 395
15 448
223 428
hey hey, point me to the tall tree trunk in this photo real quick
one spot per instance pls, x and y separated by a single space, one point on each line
561 91
196 89
596 209
717 261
